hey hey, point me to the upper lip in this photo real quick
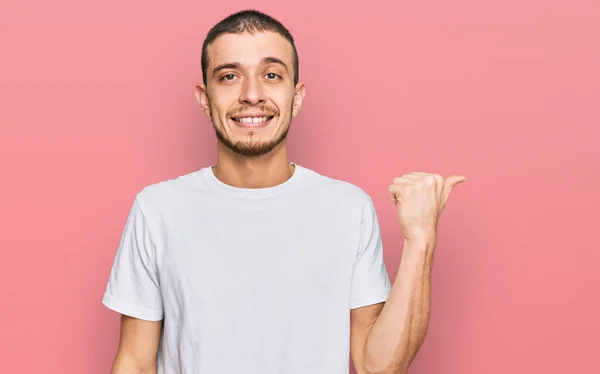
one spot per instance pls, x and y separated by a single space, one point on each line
252 115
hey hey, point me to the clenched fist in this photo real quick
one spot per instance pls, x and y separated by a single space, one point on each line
421 198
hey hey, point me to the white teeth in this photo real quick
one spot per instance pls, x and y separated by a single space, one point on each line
252 119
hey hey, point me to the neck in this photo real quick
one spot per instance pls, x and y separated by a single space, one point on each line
264 171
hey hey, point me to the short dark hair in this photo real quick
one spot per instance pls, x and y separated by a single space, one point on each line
247 21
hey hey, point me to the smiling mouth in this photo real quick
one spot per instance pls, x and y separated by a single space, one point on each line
254 120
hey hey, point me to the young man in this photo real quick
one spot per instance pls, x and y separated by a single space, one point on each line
257 265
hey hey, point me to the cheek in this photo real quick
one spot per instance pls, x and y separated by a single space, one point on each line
284 102
223 99
219 111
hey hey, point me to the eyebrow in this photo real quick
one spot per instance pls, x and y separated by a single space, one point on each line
273 60
236 65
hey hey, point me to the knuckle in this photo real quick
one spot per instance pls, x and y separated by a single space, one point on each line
430 180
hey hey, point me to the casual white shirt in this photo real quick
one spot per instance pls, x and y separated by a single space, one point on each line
250 281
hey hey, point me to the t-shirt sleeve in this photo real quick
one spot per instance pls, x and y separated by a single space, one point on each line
370 281
133 286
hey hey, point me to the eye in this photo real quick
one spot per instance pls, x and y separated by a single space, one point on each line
228 77
272 76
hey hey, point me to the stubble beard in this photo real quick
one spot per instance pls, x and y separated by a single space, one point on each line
252 148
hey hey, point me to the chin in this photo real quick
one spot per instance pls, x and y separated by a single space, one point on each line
252 144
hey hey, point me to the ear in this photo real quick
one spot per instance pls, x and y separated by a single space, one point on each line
298 98
202 98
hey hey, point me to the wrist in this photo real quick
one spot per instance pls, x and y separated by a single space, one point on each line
421 236
425 242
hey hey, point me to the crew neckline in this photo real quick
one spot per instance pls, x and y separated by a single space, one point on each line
252 193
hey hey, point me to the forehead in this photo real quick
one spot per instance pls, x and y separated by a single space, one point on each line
249 49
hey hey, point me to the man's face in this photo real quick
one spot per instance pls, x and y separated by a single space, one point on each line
250 94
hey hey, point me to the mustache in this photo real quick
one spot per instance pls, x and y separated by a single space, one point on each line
253 109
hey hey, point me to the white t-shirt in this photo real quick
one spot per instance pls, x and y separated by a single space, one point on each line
252 281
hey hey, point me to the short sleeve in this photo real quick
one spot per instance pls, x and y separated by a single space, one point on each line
370 281
133 286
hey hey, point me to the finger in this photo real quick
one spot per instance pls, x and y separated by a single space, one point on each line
418 175
413 177
450 183
395 198
428 180
453 180
395 191
404 180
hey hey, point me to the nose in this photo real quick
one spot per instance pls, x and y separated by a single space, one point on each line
252 92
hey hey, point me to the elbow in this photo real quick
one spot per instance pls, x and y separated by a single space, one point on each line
398 365
384 371
130 370
118 370
392 368
123 366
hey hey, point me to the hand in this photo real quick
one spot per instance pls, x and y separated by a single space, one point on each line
421 198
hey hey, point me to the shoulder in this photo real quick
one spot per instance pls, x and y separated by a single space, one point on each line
336 190
169 192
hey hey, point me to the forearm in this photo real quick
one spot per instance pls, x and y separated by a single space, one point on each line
400 329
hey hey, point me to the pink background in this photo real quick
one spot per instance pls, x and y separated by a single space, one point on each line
97 102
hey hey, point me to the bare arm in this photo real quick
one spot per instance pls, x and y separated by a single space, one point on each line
138 346
361 323
389 338
386 339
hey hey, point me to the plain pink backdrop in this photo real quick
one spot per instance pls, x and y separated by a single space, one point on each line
97 102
